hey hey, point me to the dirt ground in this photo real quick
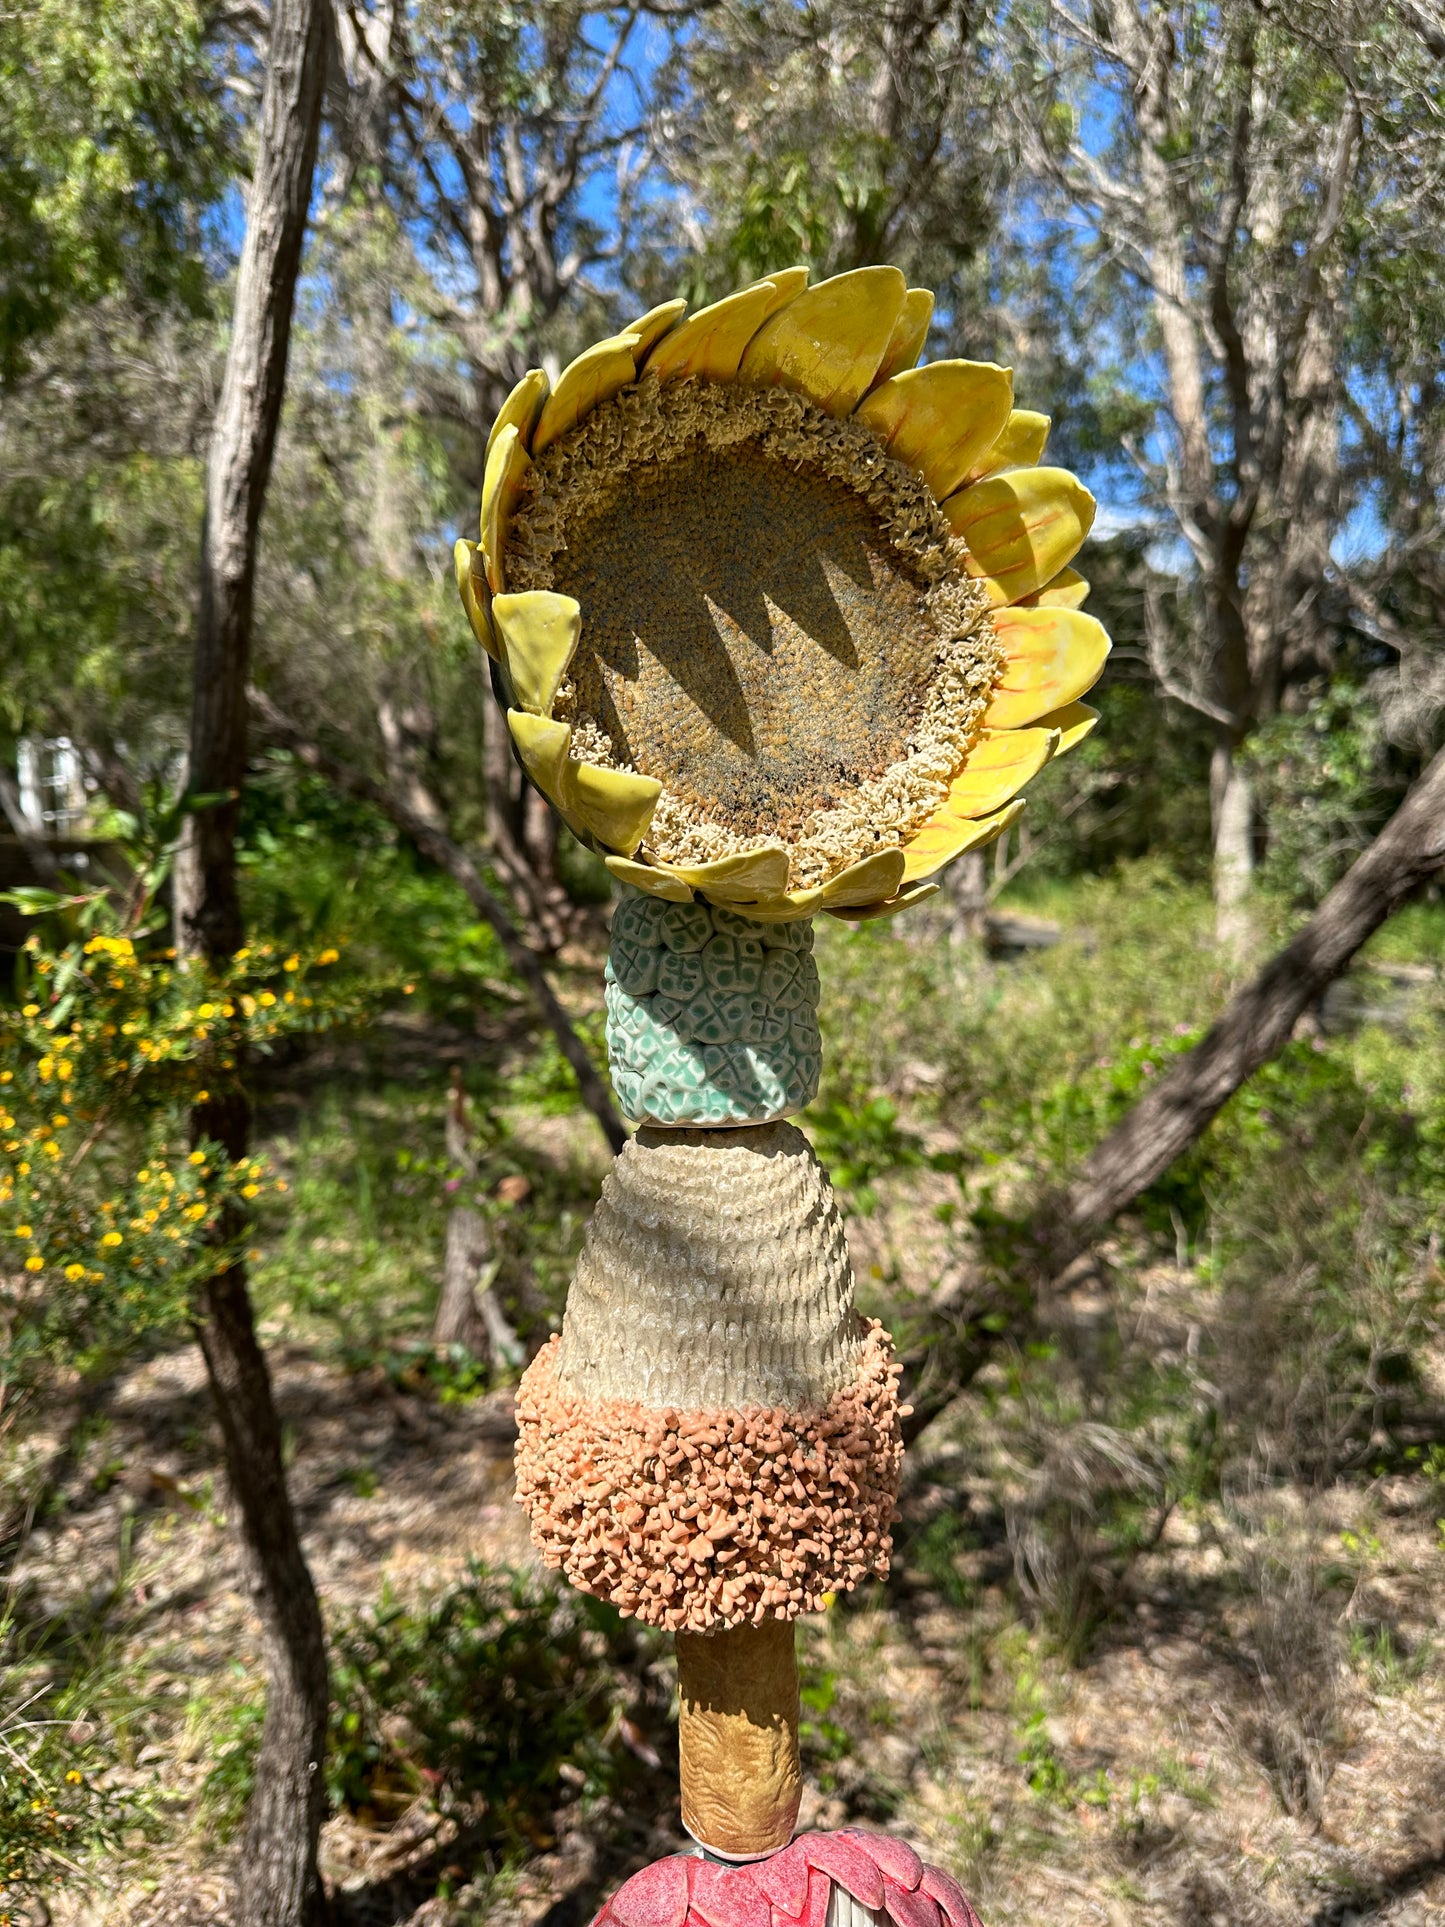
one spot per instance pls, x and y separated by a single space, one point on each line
1138 1791
1160 1778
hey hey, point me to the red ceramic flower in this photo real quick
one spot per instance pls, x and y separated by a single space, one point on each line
793 1888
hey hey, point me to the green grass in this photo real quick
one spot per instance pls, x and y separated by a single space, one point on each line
350 1259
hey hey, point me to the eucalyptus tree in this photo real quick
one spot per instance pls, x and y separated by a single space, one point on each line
278 1884
836 132
1254 188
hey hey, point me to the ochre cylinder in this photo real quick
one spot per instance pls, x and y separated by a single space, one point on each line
738 1737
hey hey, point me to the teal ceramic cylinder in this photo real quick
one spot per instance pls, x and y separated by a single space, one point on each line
712 1019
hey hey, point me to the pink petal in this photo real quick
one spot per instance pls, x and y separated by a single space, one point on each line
655 1897
895 1857
943 1888
820 1892
909 1909
726 1897
783 1877
847 1864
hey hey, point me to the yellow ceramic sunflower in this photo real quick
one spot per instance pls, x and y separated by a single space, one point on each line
787 621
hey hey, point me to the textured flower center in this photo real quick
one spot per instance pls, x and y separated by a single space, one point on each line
750 637
776 622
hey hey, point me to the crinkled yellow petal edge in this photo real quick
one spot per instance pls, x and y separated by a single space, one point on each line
849 344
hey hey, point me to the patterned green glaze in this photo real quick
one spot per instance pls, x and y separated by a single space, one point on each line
711 1019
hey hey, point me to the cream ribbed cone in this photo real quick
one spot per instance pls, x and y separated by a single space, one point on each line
715 1275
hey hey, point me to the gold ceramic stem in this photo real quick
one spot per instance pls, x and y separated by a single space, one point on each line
738 1737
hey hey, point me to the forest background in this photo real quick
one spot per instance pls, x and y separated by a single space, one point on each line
300 1041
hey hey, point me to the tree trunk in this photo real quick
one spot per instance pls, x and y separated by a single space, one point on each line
277 1881
468 1313
965 886
1232 794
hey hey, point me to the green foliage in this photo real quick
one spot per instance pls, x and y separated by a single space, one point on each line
1319 775
318 869
860 1142
824 1741
479 1695
111 137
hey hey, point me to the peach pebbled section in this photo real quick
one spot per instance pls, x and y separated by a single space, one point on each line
704 1520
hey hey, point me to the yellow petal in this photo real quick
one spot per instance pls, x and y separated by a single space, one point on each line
649 328
616 805
788 907
866 881
711 342
598 373
522 407
472 587
828 343
889 907
539 632
944 837
870 880
542 746
998 766
1067 590
910 331
1073 722
1051 656
1021 527
747 877
507 468
646 876
787 284
1019 446
939 419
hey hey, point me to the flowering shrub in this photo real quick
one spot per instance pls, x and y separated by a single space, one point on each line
109 1214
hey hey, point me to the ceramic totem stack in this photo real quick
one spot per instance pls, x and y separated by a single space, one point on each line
782 623
712 1442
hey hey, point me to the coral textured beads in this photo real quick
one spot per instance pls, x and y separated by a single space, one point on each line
712 1019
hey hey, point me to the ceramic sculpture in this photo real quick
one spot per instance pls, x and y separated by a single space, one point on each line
782 623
